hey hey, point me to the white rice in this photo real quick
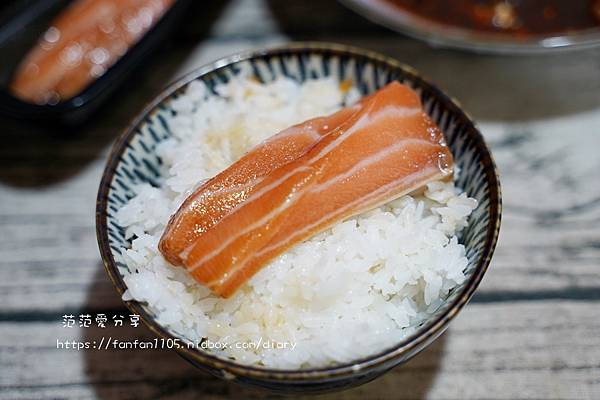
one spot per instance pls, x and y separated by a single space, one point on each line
347 293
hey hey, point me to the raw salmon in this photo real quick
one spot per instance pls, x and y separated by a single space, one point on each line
385 148
81 44
221 194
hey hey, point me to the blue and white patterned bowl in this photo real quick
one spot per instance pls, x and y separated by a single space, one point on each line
133 160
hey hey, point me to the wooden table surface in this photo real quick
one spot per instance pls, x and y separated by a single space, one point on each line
531 331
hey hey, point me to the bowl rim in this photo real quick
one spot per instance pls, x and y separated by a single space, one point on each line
438 34
408 345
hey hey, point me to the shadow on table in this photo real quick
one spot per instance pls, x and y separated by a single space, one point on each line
35 154
120 373
494 88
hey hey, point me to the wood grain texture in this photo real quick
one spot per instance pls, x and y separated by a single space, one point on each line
493 351
532 329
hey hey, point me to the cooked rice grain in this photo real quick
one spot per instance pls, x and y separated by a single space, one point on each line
346 293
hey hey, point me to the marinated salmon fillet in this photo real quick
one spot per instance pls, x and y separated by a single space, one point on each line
384 148
81 44
218 196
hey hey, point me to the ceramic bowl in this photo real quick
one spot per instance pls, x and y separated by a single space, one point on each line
133 160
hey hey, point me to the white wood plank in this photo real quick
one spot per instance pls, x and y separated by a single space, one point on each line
501 351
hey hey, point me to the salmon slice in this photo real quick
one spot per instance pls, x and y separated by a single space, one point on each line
216 198
81 44
387 148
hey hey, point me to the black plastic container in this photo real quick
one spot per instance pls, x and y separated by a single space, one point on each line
22 24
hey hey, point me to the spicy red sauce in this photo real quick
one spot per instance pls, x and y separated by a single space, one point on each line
523 17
